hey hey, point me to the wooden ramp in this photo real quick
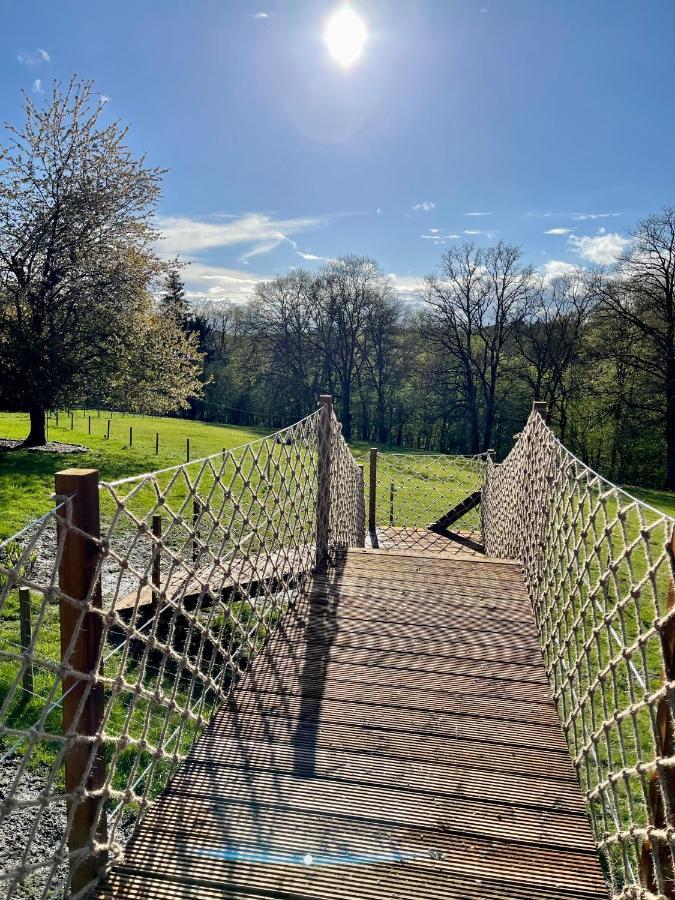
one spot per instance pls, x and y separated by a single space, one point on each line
396 740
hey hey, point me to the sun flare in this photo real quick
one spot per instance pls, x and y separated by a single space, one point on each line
345 36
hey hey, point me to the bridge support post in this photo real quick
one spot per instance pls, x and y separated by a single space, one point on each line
361 524
81 656
372 488
323 472
541 407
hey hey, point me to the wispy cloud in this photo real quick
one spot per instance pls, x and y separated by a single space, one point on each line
424 206
603 249
558 231
582 217
478 214
262 232
476 232
437 236
408 287
309 256
103 99
37 86
261 15
33 57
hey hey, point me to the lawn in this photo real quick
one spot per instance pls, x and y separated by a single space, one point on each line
27 477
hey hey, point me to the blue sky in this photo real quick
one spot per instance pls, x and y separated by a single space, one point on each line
552 119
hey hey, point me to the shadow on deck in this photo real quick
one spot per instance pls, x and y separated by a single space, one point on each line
396 739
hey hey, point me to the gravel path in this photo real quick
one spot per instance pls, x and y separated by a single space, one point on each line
15 831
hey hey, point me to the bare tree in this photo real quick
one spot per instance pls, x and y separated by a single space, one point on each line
476 303
282 316
642 293
77 260
382 354
551 337
347 288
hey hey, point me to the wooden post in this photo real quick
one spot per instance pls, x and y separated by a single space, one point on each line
361 530
156 443
323 471
72 421
89 424
26 634
81 651
131 436
541 407
372 488
107 430
56 416
187 449
156 556
196 513
391 503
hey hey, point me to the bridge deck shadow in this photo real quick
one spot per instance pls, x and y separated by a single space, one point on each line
396 739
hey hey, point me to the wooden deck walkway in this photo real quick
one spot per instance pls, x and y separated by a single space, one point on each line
396 740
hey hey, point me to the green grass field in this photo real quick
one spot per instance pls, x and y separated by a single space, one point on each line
27 477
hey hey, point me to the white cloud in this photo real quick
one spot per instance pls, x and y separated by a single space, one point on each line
602 230
33 57
603 250
183 235
437 236
556 267
582 217
408 287
37 86
379 210
261 15
205 282
558 231
425 206
309 256
103 99
478 214
474 232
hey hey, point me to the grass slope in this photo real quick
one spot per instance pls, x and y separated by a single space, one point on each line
27 477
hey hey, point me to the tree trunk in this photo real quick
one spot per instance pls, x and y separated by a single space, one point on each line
670 424
346 411
36 436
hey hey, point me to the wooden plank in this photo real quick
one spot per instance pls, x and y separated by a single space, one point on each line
395 739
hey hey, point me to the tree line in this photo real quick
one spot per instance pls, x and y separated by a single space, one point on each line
458 372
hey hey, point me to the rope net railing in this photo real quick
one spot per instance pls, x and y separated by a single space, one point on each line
409 493
127 614
598 565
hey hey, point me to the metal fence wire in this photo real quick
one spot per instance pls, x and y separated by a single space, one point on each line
598 565
147 597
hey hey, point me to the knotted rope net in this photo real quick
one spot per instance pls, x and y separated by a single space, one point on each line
415 491
598 565
193 567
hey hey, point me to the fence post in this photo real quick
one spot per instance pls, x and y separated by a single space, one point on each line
323 472
156 443
107 431
81 650
187 449
372 488
72 421
26 634
361 525
391 503
131 436
89 426
541 407
196 513
156 557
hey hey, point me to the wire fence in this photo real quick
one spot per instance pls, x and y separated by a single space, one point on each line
411 496
146 598
598 565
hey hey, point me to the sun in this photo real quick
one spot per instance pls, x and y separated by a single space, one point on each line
345 36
